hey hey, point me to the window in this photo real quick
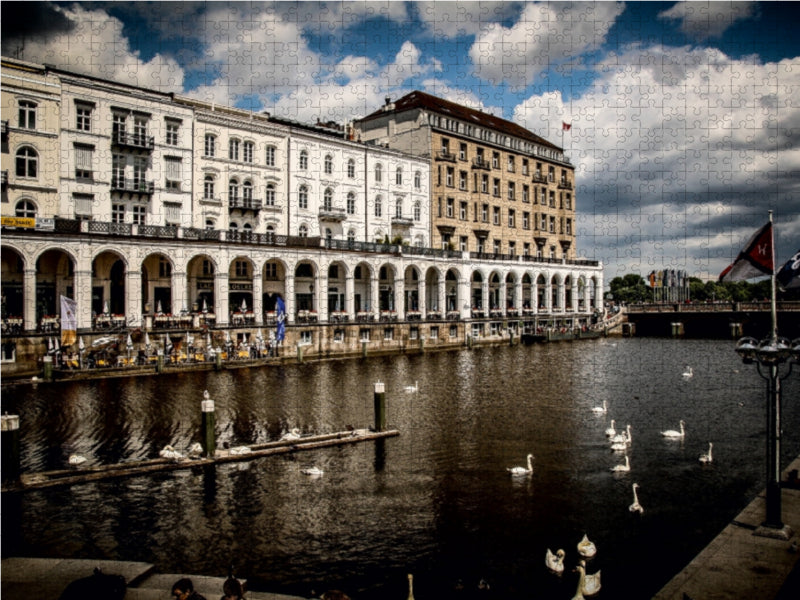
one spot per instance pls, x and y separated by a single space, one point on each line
552 199
568 203
511 190
417 211
378 172
462 180
388 334
27 114
449 177
485 213
140 130
351 236
417 180
378 206
551 174
210 148
27 162
351 203
248 149
526 249
496 246
462 151
118 127
524 166
247 194
511 166
306 338
328 164
484 184
525 193
363 334
173 214
118 171
139 214
526 220
302 197
303 160
351 168
172 133
83 162
139 169
398 208
25 209
233 191
512 215
271 271
495 160
552 228
208 187
270 156
496 188
210 225
543 222
462 243
462 211
241 268
543 196
270 200
173 169
450 207
303 231
496 217
338 335
117 213
233 149
398 176
568 227
83 117
327 200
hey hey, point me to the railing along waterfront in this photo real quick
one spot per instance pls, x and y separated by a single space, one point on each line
699 307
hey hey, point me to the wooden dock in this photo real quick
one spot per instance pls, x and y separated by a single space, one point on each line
79 474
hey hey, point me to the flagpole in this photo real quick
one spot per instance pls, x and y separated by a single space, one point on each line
773 305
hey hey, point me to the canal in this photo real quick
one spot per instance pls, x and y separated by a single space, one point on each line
436 501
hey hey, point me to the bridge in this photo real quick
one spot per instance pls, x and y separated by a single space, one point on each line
721 320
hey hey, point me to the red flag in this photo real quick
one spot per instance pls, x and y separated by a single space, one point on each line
566 126
756 259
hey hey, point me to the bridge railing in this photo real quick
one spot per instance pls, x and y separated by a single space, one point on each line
718 306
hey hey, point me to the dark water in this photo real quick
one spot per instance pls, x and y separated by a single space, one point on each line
435 501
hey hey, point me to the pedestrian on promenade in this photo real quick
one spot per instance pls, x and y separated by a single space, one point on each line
183 589
232 589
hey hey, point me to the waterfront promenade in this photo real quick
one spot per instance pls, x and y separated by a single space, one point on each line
736 565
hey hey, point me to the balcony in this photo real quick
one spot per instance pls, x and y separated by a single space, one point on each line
132 186
333 214
565 185
211 200
402 222
480 163
133 140
446 156
539 178
244 204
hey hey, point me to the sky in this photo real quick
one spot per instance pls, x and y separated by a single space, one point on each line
685 116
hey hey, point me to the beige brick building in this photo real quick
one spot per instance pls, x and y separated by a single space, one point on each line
497 189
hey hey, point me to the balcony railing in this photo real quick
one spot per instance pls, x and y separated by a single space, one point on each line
332 213
539 178
134 186
133 140
445 155
244 204
402 221
480 163
565 185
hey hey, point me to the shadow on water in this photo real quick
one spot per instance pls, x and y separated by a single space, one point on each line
437 501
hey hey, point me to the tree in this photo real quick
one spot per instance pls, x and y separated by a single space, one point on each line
628 289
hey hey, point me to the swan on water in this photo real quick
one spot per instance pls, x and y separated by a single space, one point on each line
672 434
687 373
195 450
600 410
313 471
76 459
622 438
586 548
555 562
522 470
412 388
239 450
611 432
707 458
588 585
170 452
619 447
622 468
292 435
636 507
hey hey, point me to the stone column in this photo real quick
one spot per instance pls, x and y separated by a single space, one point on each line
349 297
289 300
443 296
502 302
464 300
179 299
374 300
399 297
321 297
221 298
421 291
29 299
83 298
258 299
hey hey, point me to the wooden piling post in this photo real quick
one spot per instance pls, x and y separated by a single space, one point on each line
207 435
299 353
380 406
363 349
736 330
47 368
218 361
10 447
160 362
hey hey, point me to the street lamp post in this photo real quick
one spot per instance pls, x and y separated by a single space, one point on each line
768 355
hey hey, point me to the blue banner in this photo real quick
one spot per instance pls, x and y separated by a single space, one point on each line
280 308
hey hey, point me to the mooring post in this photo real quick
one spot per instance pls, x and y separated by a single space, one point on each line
207 435
218 361
380 407
363 349
160 362
47 368
299 353
10 447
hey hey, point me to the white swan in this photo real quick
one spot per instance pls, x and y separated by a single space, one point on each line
688 373
239 450
622 468
611 432
619 447
600 410
412 388
76 459
707 458
555 562
522 470
195 450
170 452
313 471
292 435
586 548
588 585
622 438
636 507
674 435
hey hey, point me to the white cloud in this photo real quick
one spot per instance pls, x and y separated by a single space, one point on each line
546 35
704 20
96 46
455 19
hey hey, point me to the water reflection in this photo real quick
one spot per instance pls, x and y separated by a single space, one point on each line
436 501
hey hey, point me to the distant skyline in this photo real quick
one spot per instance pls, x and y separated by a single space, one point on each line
684 129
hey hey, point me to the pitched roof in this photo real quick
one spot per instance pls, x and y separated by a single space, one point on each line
417 99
